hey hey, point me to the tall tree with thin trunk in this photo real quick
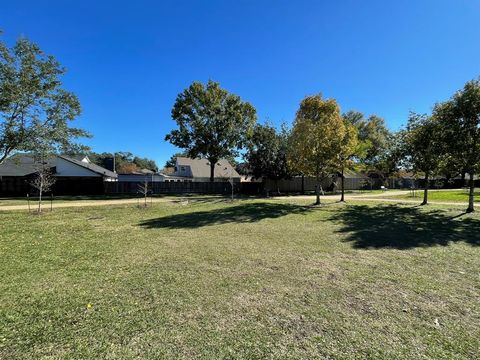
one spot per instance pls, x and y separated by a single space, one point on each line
34 107
316 140
460 118
423 147
212 123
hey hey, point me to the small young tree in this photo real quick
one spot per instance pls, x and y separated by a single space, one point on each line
423 147
212 123
316 139
143 189
43 181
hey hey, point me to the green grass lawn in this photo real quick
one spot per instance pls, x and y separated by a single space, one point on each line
7 201
435 195
251 279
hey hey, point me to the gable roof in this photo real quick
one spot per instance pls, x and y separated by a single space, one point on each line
25 164
90 166
21 165
200 168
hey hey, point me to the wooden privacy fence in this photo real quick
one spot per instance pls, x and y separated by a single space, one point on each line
297 184
131 187
20 186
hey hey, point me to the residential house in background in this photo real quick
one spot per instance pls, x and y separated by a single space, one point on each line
75 175
198 170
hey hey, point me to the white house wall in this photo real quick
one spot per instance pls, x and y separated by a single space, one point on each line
66 168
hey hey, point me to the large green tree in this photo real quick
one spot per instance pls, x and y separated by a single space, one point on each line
377 142
267 153
212 123
35 110
460 118
316 140
423 147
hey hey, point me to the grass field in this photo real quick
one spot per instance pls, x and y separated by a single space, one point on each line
7 201
4 201
441 196
251 279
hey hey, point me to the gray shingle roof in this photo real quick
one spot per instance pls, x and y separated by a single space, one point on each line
24 164
21 165
201 168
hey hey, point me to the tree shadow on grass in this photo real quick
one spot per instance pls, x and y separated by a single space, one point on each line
243 213
399 227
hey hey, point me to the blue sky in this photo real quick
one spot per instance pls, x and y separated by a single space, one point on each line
128 60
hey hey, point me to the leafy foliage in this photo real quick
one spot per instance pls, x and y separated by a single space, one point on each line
460 119
267 153
317 135
423 146
125 162
378 147
35 110
349 148
212 122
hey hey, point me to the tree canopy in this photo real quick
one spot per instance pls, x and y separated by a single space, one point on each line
35 110
125 162
316 140
211 122
423 147
350 147
267 153
376 142
460 120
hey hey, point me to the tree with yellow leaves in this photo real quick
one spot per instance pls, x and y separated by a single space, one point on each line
316 141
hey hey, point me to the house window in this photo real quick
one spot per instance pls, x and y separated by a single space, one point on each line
182 168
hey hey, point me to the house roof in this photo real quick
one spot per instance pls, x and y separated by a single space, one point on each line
90 166
350 174
24 164
200 168
21 165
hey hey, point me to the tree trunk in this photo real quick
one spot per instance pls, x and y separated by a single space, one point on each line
3 157
317 191
471 207
40 201
425 190
303 184
277 187
212 170
342 198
